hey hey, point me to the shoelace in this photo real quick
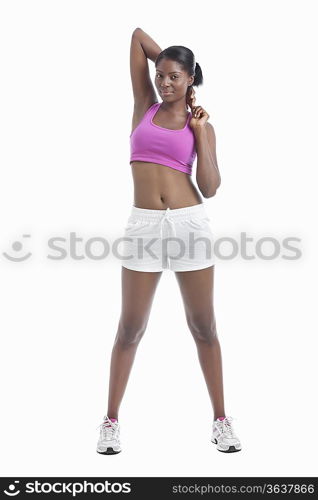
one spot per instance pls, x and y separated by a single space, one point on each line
227 428
108 428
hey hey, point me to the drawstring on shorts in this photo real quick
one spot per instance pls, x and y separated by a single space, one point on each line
167 218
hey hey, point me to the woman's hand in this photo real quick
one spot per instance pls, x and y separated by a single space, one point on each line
199 115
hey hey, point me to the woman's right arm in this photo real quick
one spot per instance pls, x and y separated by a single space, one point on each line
142 48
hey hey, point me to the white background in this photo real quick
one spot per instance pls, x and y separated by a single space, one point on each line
66 109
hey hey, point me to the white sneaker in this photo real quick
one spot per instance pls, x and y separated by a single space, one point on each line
108 442
224 437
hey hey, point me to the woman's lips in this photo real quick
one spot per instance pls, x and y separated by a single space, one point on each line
166 93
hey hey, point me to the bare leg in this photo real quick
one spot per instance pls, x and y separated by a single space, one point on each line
197 294
138 289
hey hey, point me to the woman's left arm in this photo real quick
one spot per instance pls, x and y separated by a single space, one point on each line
207 176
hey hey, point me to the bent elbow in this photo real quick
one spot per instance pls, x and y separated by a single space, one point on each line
211 192
136 30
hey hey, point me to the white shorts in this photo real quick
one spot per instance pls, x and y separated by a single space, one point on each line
178 239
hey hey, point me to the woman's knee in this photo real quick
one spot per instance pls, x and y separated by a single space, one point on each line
130 331
203 329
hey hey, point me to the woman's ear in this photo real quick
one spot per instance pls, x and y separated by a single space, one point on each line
190 97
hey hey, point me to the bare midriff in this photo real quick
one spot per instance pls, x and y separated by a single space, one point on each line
158 187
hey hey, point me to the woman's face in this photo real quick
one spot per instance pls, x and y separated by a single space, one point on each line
171 78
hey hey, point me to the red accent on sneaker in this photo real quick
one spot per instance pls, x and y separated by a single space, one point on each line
112 419
221 418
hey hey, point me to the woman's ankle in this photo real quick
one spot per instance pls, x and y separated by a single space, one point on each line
112 415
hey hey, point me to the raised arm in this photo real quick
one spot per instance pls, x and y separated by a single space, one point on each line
142 48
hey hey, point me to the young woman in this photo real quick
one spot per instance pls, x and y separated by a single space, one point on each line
170 219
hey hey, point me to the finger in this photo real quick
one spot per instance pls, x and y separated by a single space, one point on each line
205 116
197 111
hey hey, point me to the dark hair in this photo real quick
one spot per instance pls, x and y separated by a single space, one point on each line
185 58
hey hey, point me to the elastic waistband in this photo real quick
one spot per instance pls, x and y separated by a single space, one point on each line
175 213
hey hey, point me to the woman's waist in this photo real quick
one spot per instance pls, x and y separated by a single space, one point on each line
178 214
162 189
160 199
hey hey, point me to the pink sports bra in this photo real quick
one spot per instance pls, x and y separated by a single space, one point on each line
172 148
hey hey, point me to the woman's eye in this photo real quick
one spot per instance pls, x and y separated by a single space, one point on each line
173 76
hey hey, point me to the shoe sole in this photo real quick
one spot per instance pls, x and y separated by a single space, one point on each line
109 451
231 449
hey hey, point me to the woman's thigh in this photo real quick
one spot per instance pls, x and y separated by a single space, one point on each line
138 290
197 294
